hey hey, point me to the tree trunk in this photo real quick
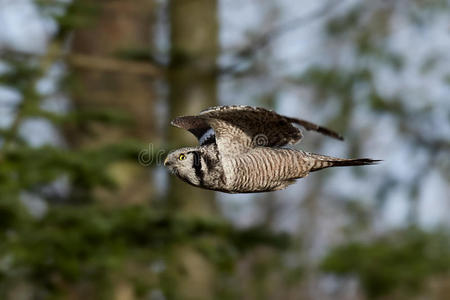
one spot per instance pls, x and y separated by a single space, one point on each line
192 87
114 84
192 84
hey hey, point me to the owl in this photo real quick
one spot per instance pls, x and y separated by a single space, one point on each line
242 150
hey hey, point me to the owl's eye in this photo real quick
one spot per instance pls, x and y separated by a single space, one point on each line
182 157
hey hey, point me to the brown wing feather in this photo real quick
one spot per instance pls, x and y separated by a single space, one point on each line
278 128
263 126
229 138
314 127
194 124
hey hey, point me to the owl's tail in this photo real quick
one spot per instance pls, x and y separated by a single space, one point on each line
322 162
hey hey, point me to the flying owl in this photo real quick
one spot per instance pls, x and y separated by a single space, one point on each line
242 150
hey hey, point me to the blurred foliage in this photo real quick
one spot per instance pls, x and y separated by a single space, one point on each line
78 245
70 15
404 260
71 244
26 168
77 241
81 246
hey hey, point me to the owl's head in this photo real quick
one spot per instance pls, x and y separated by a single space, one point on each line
186 164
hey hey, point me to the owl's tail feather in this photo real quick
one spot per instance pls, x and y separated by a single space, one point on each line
322 162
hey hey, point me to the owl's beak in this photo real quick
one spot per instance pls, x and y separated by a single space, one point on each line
166 162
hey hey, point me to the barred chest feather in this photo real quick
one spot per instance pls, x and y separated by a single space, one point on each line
265 169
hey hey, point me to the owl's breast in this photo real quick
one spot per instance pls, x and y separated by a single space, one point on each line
247 173
261 169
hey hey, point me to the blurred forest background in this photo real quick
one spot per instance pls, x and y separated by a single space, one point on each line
87 90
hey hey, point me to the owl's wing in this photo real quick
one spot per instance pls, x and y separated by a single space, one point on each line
259 121
246 126
266 127
314 127
197 126
262 126
229 138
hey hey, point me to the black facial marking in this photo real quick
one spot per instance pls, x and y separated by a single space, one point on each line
197 165
209 163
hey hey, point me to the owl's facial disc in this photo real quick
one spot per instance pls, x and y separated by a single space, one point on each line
185 163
